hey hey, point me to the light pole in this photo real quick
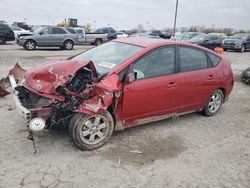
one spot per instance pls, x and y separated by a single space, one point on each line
147 25
94 23
175 17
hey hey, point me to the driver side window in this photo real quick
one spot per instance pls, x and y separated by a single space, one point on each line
159 62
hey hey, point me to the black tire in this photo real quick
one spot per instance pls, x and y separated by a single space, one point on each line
79 122
30 45
98 42
245 76
225 49
213 105
2 40
68 45
243 48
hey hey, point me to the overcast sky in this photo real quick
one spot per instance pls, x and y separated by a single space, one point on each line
127 14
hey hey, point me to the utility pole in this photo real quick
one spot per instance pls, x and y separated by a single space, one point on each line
175 17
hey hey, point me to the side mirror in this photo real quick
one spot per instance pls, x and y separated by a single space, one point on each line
41 33
130 77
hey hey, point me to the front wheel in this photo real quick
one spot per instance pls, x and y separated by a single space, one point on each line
2 40
91 132
68 45
30 45
214 103
243 48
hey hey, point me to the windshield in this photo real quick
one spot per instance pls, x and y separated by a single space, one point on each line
109 55
239 36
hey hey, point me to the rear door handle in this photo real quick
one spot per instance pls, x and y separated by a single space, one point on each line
171 85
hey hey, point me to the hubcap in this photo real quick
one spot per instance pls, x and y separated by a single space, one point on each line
94 129
214 103
69 45
30 45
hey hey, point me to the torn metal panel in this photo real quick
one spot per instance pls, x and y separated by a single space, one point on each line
18 73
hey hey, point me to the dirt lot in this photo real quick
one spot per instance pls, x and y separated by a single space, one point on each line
193 151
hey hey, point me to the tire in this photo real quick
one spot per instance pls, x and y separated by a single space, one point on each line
214 103
2 40
243 48
68 45
30 45
91 132
98 42
225 49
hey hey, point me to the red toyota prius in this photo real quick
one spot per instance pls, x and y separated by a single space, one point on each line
121 84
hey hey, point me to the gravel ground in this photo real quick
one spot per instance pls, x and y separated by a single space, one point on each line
192 151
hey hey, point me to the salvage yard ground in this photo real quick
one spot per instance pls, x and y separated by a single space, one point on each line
192 151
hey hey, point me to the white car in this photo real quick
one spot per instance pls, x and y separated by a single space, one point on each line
121 35
18 31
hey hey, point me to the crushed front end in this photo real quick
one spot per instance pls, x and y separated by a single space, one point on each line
52 93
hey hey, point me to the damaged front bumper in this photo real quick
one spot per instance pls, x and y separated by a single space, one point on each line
24 112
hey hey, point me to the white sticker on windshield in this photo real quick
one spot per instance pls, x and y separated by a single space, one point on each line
106 64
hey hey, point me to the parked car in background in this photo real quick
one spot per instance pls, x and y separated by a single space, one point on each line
96 38
111 33
121 35
122 84
210 41
19 31
162 35
185 36
239 42
146 35
22 25
65 38
6 34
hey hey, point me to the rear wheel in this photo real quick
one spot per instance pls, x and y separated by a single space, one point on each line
30 45
68 45
214 103
91 132
98 42
2 40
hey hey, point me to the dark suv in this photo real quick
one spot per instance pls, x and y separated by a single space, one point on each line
239 41
6 34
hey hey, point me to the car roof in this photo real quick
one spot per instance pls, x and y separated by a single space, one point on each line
153 42
145 42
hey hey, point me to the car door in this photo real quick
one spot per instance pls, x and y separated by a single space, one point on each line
58 36
196 80
43 37
152 92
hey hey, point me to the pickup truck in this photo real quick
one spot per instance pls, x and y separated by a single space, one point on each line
239 41
98 37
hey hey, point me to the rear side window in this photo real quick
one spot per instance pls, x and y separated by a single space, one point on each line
192 59
58 31
3 27
71 30
215 60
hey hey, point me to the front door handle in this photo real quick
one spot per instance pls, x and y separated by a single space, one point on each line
211 77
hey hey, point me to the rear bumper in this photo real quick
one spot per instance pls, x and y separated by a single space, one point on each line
24 112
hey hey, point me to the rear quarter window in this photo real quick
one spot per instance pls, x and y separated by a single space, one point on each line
72 31
215 60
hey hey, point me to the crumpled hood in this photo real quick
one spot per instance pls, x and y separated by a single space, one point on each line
45 78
